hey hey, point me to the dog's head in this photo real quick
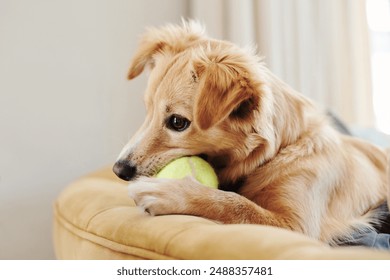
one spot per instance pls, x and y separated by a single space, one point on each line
204 97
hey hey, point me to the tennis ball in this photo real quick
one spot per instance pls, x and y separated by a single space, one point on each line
193 166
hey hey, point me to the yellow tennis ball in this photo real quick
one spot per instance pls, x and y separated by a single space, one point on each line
193 166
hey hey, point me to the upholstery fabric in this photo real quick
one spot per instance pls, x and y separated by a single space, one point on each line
95 219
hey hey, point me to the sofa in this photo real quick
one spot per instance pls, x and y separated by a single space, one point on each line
95 219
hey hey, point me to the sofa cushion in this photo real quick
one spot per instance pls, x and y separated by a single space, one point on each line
95 219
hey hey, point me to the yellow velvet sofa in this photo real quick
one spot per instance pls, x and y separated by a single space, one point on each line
95 219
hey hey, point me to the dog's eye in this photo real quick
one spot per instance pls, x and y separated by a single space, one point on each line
178 123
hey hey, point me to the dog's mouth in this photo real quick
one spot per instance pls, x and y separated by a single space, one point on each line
128 171
204 156
217 162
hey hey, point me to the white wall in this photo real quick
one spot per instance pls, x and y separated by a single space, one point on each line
65 106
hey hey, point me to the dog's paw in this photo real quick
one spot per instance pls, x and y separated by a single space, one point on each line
159 196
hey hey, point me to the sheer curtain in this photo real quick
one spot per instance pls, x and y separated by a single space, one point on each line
319 47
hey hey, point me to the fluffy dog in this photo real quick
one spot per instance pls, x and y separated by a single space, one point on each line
278 159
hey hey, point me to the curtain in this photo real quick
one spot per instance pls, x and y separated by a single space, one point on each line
319 47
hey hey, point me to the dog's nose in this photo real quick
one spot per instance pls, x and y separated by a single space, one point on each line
124 170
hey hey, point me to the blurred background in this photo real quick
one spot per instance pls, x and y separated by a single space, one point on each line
66 108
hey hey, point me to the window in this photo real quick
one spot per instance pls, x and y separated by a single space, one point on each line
378 17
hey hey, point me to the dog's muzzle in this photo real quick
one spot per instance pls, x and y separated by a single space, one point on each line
124 170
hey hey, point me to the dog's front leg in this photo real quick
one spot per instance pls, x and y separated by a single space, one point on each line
187 196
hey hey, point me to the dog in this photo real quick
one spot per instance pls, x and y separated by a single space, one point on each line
279 160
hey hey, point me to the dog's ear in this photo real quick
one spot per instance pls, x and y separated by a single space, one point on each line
226 87
170 38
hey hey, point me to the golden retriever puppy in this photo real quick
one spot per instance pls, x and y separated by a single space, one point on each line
278 160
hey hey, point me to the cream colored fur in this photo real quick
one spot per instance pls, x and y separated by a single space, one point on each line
283 162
